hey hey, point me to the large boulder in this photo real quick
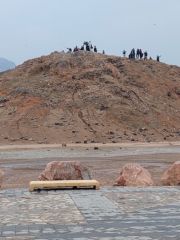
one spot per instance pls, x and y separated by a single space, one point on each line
134 175
1 177
172 175
65 171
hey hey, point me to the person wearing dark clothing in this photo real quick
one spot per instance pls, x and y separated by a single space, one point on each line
95 49
124 53
133 53
158 58
141 54
145 55
76 49
137 53
103 52
70 50
86 46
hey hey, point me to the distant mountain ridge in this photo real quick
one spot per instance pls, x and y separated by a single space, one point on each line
6 64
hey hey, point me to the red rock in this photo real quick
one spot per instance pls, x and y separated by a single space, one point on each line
65 171
134 175
1 177
172 175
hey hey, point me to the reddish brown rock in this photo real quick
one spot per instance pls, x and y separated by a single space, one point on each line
172 175
134 175
1 177
65 171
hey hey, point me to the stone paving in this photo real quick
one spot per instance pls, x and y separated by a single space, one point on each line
114 213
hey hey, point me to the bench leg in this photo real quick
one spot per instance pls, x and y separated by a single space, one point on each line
31 188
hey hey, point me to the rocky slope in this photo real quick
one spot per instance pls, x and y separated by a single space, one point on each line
74 97
6 65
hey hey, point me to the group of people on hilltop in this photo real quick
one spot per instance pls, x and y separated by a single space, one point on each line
87 46
139 54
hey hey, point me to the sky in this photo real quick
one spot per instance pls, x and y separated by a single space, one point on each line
32 28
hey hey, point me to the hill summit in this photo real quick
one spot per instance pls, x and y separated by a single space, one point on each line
89 97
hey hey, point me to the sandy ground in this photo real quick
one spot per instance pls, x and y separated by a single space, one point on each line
24 163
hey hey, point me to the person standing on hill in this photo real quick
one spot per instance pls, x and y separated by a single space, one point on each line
103 52
141 54
124 53
133 53
137 53
85 46
158 58
145 55
95 49
90 45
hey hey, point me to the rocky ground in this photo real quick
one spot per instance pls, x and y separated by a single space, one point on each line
24 165
86 96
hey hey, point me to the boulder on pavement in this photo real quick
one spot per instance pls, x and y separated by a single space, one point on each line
65 171
134 175
172 175
1 177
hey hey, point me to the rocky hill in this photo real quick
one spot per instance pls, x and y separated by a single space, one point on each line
86 96
6 65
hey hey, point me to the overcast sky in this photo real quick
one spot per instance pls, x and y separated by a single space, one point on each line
32 28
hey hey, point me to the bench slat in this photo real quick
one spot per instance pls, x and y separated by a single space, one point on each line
63 183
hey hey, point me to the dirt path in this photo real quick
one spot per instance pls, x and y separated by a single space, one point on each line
107 145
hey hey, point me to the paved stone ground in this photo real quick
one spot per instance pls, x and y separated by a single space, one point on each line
115 213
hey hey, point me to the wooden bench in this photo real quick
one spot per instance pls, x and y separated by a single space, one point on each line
63 183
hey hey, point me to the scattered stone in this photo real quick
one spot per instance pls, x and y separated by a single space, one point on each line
59 124
96 148
24 138
63 144
85 141
103 108
134 175
65 171
172 175
3 100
